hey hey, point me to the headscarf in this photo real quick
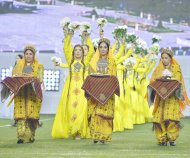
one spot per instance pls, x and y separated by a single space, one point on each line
158 73
110 58
36 66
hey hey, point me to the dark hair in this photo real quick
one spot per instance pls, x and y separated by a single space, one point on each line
105 43
20 56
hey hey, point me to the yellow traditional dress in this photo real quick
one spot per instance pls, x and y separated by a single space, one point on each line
130 98
166 113
143 112
101 117
120 121
71 116
26 105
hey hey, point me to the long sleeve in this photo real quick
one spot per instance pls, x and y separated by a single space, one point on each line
121 67
120 52
140 60
67 48
64 65
141 69
121 59
151 66
90 52
114 47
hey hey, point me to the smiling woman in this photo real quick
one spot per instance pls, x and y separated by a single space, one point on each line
167 112
71 116
27 104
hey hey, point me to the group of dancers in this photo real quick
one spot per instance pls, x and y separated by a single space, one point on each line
120 70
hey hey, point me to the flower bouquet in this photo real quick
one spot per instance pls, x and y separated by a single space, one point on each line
85 27
156 39
73 26
129 63
166 73
95 42
101 23
154 49
119 32
56 61
141 47
65 22
131 38
85 30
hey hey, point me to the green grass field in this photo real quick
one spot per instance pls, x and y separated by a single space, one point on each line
137 143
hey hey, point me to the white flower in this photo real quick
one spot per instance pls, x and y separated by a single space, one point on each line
166 72
129 61
153 57
154 48
131 37
124 27
102 22
131 33
53 58
74 25
85 27
65 22
95 42
156 39
56 59
129 45
141 44
120 31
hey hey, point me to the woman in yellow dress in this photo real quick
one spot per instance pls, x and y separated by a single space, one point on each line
101 117
71 116
129 93
86 50
142 70
26 104
166 113
120 122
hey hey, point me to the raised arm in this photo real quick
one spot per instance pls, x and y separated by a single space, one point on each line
141 68
90 53
113 49
127 55
121 67
120 51
151 66
64 65
67 48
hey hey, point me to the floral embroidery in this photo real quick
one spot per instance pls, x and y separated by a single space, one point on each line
75 104
74 117
76 91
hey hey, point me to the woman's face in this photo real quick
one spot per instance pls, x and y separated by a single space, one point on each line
85 49
166 59
29 56
78 52
103 49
